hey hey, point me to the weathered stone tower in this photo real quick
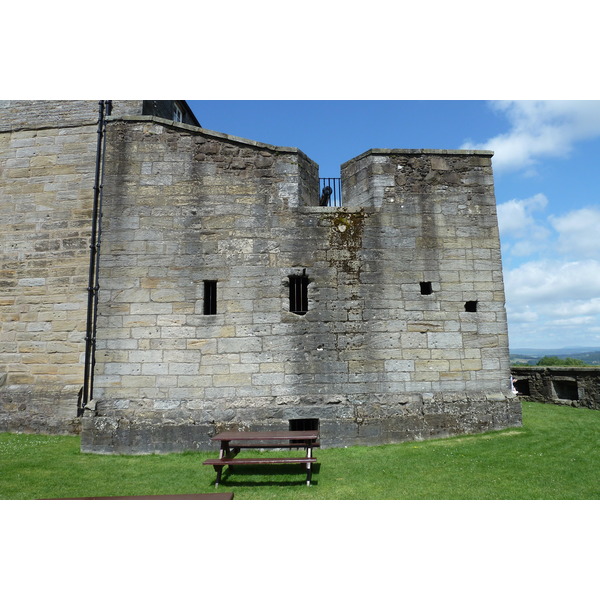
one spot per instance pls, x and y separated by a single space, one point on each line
48 154
229 298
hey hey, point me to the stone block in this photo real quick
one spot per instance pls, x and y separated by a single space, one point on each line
399 365
184 368
151 308
138 381
444 340
238 345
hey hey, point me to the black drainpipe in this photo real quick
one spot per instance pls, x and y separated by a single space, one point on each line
86 393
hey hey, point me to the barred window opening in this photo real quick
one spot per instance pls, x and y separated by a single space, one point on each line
210 297
298 294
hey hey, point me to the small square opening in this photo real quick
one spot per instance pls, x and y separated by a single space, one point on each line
471 306
426 288
522 387
303 425
565 389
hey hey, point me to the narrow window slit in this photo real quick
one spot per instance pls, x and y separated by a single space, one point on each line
298 294
210 297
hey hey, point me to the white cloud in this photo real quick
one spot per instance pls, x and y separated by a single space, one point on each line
525 230
540 129
552 303
520 229
577 308
516 217
523 316
546 332
553 281
578 232
573 321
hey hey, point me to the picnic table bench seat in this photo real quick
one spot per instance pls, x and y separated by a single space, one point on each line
232 442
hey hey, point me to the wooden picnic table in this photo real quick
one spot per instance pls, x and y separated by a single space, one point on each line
234 441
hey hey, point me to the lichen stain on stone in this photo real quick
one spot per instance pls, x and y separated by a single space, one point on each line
348 227
346 230
345 239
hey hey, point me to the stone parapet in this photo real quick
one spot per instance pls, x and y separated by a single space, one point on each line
567 386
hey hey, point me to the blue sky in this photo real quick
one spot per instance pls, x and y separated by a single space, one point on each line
546 182
425 70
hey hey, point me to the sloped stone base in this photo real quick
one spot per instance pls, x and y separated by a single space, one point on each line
382 421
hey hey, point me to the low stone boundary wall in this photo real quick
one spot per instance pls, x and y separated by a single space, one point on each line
570 386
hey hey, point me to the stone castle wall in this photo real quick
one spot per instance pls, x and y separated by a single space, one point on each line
567 386
28 116
47 162
373 359
437 223
385 351
47 165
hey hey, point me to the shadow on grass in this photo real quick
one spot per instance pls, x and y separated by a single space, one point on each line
267 471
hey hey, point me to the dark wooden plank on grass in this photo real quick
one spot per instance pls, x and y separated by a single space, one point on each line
223 496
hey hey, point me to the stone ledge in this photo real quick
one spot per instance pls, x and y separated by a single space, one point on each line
417 151
208 132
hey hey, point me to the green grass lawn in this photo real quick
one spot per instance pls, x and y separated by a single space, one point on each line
554 456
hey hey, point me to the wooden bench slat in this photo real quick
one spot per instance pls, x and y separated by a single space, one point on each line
223 462
259 446
265 435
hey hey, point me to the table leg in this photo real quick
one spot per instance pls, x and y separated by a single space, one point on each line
224 451
219 471
308 469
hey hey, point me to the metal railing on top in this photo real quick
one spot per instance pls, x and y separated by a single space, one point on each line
330 191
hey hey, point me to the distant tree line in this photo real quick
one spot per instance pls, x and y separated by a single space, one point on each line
554 361
584 359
